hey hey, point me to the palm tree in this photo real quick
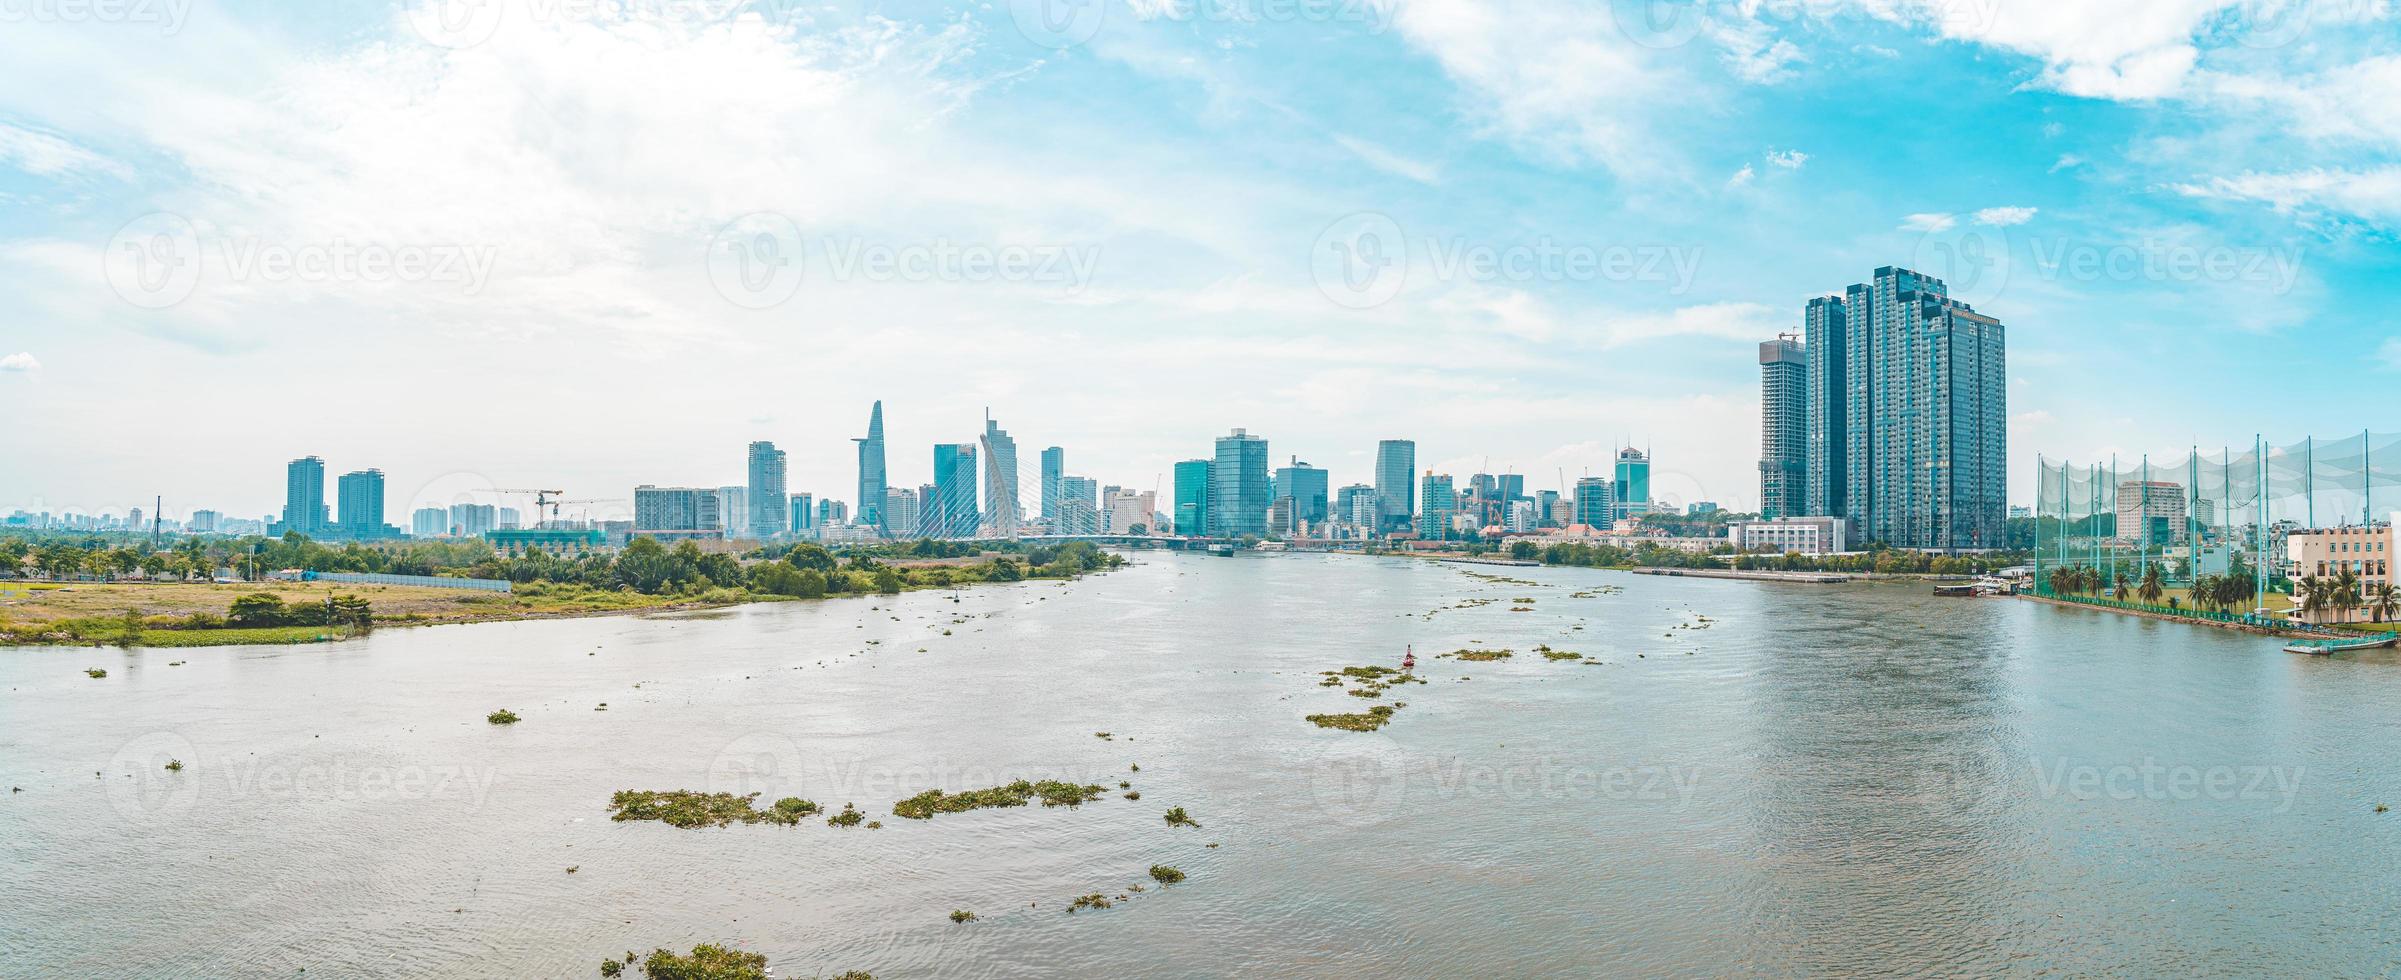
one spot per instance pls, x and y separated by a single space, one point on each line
2152 586
2383 600
2346 593
2313 597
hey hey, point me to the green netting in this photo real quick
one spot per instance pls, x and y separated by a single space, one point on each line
2205 514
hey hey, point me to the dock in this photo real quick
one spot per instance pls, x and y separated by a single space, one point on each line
1806 578
2327 648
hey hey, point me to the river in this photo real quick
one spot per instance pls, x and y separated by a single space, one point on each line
1747 779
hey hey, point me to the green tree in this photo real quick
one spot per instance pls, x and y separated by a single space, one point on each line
255 610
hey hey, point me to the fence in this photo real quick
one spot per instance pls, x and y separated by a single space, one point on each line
2204 518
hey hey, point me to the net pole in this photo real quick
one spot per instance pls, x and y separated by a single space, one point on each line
2192 524
2142 503
2309 476
2259 524
2367 483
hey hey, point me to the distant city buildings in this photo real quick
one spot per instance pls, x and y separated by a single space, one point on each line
361 513
1079 506
871 468
429 522
1438 501
1192 491
304 496
1632 487
473 520
1239 494
678 512
1002 506
1803 535
1396 484
1595 504
954 514
766 502
901 510
733 510
1305 486
2150 513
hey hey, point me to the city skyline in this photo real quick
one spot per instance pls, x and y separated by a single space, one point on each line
2129 204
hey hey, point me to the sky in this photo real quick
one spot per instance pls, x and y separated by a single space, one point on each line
586 245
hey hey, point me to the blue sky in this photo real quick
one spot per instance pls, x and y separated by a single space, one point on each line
505 243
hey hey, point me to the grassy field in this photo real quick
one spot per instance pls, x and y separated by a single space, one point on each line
87 612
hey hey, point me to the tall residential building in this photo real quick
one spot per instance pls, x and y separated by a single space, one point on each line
1192 492
767 501
1783 428
424 522
900 512
1396 483
360 495
1238 496
1546 508
473 520
831 514
1054 466
733 510
688 512
304 496
871 469
2150 513
1305 486
1003 508
1434 511
954 491
1925 409
1826 420
507 520
1632 486
1595 506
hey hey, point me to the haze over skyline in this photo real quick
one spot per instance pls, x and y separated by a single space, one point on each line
588 251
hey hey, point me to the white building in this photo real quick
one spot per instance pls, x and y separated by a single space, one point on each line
1786 535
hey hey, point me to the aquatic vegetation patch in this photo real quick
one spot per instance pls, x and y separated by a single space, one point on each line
1095 900
1367 721
1479 656
1165 875
1550 654
707 961
94 672
689 809
1052 792
503 717
849 817
175 765
961 915
1176 817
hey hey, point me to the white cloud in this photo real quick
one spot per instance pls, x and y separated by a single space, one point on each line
1554 79
1787 159
1388 161
1929 222
44 155
1742 177
2035 417
2004 217
20 362
2066 161
2373 195
2123 50
2390 353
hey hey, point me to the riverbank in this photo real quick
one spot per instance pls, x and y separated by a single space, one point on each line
1808 578
2251 628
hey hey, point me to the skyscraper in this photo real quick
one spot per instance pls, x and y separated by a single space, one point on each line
1783 428
677 512
901 512
954 488
1434 512
1633 484
1594 505
871 469
767 503
304 496
1054 466
1358 506
360 495
804 514
1003 510
1238 486
1192 498
1396 483
1305 486
1823 342
1925 408
733 510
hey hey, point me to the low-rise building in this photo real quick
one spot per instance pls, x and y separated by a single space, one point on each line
1788 535
2325 553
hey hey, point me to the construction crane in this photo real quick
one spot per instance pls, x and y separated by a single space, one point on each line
542 498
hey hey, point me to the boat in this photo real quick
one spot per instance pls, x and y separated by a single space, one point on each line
1957 589
1409 658
1222 550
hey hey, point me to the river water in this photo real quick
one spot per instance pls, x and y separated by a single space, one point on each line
1749 779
